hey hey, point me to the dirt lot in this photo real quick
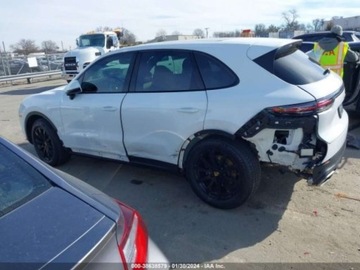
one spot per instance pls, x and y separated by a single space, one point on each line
285 222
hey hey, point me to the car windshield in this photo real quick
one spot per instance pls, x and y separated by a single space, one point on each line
19 181
92 40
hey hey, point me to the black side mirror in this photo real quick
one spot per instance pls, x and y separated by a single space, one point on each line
74 89
72 92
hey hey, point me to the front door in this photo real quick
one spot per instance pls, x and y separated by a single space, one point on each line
92 120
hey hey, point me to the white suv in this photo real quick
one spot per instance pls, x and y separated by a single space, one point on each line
212 109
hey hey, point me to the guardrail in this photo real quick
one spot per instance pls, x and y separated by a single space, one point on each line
29 76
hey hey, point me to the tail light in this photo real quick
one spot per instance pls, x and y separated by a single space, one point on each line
303 109
132 238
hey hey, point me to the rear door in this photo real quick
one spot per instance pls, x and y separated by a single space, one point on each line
167 104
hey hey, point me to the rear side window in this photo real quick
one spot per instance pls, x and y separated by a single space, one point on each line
292 65
19 182
215 73
167 71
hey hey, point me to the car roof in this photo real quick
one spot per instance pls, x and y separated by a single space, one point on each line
203 43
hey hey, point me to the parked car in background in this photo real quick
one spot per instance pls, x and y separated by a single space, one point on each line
212 109
19 66
50 220
316 36
351 76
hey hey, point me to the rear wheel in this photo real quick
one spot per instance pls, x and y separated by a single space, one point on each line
47 144
223 173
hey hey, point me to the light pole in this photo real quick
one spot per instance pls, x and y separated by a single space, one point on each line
206 29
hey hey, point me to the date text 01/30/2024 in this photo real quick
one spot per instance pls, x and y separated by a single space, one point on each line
178 266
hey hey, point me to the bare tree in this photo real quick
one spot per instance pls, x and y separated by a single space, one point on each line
25 46
49 46
318 24
199 33
235 33
176 33
290 17
161 33
127 38
260 30
273 29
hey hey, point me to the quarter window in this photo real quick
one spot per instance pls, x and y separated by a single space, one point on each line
108 75
215 73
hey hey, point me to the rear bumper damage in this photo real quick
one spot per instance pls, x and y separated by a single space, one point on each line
295 143
323 172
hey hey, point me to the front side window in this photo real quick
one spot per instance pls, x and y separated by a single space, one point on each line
19 182
166 71
108 75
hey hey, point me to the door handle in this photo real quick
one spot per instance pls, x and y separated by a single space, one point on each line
109 108
188 110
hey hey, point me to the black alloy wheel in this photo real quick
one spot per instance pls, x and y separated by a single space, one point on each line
223 173
47 144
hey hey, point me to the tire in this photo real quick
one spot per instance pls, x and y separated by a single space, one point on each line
47 144
223 173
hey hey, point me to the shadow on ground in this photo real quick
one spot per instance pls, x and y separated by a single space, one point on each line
184 227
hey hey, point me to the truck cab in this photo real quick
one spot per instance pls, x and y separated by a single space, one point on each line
89 47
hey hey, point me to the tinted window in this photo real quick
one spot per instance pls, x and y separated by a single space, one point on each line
314 38
311 37
108 75
306 46
291 65
19 182
215 74
167 70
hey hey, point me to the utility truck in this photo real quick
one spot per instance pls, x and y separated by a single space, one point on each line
89 46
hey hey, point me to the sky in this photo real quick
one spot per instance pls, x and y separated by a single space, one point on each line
62 21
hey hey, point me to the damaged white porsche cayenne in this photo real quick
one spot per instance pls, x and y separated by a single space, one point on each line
212 109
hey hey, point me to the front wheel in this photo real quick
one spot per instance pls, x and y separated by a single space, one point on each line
47 144
223 173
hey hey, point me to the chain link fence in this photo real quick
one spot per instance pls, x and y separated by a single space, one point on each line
16 65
